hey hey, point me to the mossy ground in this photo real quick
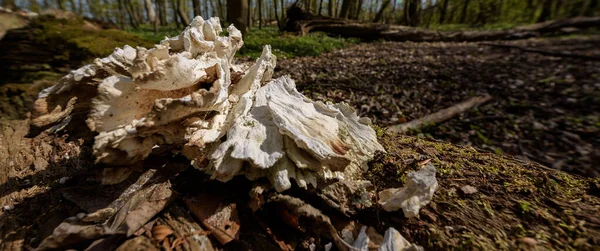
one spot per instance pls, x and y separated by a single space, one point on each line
283 44
515 201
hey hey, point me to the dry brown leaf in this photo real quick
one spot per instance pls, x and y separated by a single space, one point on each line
160 232
218 216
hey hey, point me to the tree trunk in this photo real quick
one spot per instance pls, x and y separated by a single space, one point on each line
463 14
249 15
330 8
443 11
320 7
346 6
175 16
181 12
379 15
260 14
131 14
150 11
279 21
236 14
546 11
591 8
196 4
358 9
410 12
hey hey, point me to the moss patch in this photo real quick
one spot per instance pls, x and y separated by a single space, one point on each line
515 199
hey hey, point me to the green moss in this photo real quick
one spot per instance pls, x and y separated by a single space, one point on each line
70 38
287 45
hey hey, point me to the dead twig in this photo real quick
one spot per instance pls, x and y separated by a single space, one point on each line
439 116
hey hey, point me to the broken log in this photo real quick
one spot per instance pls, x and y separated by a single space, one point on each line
440 116
303 22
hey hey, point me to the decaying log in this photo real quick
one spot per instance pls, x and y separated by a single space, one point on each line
303 22
440 116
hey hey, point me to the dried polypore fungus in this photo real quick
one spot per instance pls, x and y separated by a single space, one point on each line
417 193
186 93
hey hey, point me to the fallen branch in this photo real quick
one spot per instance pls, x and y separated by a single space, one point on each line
440 116
544 52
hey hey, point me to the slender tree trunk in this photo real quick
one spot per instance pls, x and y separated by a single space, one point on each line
283 14
182 13
358 9
80 7
330 8
196 7
260 14
443 11
150 11
249 15
236 14
175 15
379 15
206 14
222 9
164 14
345 11
131 13
463 14
546 11
320 7
279 22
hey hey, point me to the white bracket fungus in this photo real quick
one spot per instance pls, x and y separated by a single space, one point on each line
185 92
417 193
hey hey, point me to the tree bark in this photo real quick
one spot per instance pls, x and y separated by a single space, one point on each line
443 11
236 14
463 14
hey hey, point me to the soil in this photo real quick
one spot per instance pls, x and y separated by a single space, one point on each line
544 109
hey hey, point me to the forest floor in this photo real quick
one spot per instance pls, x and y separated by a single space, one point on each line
544 108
